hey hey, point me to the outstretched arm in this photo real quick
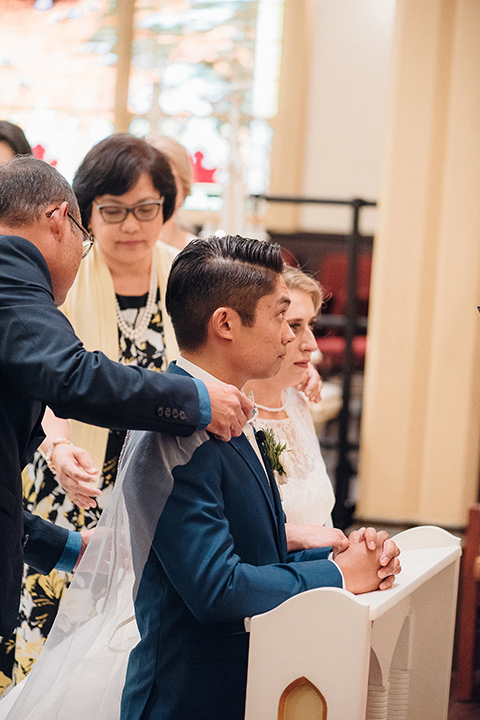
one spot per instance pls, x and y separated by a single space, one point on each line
307 537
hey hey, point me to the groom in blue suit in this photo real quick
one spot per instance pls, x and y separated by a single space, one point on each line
207 525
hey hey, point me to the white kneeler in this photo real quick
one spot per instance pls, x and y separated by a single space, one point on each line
329 655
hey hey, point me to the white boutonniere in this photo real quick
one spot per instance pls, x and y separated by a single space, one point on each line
276 454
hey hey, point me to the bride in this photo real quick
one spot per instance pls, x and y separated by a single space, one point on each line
306 490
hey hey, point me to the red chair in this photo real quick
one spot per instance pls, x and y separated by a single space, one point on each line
333 276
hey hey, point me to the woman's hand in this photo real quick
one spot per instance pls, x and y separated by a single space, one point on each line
75 472
311 385
306 537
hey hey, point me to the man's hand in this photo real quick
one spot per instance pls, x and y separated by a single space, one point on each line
231 409
389 562
75 473
360 566
306 537
311 384
86 537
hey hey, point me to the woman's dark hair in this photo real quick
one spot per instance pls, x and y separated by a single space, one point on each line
14 136
113 167
229 271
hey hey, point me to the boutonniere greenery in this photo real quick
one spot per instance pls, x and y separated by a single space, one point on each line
274 450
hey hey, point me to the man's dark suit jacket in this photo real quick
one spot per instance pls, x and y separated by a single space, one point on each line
43 362
209 547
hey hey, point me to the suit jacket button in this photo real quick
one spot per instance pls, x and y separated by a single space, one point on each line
168 412
175 413
160 411
182 415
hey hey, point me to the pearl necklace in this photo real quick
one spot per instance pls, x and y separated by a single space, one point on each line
268 409
134 332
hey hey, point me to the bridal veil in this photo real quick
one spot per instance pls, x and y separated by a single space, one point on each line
81 671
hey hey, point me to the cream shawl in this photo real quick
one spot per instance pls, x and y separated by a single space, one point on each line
90 307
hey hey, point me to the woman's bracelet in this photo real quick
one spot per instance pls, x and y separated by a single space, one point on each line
49 453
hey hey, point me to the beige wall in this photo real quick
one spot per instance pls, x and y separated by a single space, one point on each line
420 429
388 107
328 137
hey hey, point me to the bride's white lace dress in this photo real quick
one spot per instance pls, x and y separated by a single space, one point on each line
307 496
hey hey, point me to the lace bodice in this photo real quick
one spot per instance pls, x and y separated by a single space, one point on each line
307 495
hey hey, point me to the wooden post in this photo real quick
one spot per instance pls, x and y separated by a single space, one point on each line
126 13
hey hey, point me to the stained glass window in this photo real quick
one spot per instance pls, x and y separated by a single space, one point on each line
57 74
204 72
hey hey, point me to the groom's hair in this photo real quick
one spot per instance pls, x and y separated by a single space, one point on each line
228 271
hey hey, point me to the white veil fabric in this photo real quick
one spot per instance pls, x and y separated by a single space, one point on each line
81 670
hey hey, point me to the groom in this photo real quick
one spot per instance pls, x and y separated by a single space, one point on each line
207 513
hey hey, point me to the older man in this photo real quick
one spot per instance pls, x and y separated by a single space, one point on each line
43 362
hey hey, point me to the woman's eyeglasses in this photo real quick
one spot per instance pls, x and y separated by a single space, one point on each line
143 212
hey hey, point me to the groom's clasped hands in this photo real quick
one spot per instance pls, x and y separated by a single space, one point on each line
369 562
368 559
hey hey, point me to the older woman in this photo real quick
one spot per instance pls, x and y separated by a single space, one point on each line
172 232
126 191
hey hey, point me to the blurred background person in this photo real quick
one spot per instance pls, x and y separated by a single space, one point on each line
173 232
12 141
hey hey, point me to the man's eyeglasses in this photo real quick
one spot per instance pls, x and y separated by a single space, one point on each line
88 238
143 212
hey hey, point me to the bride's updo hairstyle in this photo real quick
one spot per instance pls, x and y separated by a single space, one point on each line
296 279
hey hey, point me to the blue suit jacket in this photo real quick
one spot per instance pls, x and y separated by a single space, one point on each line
218 554
43 362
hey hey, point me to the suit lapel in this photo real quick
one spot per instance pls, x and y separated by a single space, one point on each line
280 515
273 482
268 485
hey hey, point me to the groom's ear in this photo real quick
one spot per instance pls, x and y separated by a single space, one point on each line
222 322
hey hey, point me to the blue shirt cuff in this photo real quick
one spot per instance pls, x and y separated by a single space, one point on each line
204 402
70 553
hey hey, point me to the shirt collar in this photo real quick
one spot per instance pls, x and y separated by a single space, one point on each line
194 370
201 374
